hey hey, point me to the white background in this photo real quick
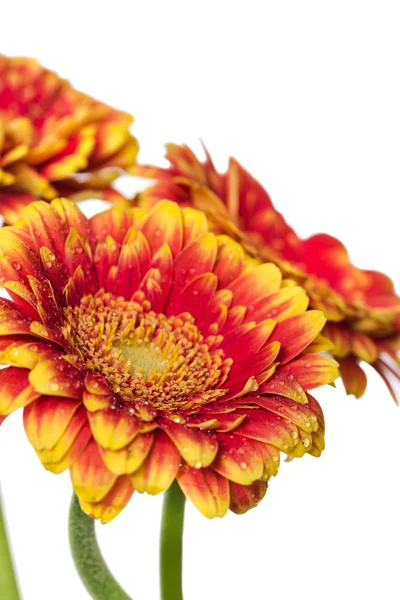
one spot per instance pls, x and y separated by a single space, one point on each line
306 95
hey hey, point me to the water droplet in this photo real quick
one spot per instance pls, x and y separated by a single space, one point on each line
16 266
198 464
243 465
54 387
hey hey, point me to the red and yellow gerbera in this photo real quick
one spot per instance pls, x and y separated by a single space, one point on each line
362 307
144 348
55 140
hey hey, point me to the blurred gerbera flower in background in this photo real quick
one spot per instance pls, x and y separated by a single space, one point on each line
55 140
361 306
144 348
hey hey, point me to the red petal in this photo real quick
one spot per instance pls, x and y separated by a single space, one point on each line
244 497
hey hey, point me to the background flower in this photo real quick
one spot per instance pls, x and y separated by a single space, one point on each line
55 140
362 307
144 348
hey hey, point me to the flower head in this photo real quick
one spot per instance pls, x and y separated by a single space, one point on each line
55 140
144 348
361 306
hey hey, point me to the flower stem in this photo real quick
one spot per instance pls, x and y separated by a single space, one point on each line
8 582
173 513
89 562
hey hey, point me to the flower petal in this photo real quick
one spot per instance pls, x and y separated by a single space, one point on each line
164 224
244 497
312 370
128 459
353 376
208 491
255 283
238 459
90 477
113 429
112 504
197 448
47 419
160 467
296 333
57 378
15 390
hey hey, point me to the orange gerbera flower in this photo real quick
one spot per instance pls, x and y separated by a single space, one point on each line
145 348
362 307
55 140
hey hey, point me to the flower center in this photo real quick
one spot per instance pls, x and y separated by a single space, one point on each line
163 362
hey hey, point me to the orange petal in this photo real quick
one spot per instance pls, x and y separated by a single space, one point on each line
282 305
312 370
113 429
299 414
364 347
15 390
230 261
195 297
78 253
47 419
17 261
284 384
238 459
105 256
252 340
160 467
340 338
197 448
208 491
90 477
112 504
57 378
69 447
27 354
296 333
270 456
63 447
128 459
353 376
195 260
244 497
255 283
194 225
264 426
113 223
164 225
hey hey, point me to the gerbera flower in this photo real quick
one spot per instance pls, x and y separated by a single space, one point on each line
144 348
55 140
361 306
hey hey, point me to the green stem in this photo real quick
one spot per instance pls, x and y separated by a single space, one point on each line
8 582
89 562
173 513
